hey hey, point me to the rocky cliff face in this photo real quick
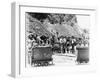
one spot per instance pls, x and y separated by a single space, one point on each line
64 29
35 26
68 26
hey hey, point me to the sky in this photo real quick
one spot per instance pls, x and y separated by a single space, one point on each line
83 21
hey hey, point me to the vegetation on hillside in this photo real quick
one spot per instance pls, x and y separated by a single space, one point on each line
55 18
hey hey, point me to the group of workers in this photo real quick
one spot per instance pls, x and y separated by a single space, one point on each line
65 44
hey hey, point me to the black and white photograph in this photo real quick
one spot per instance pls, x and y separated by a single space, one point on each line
54 39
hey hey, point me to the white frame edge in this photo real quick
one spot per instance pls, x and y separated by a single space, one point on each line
15 71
